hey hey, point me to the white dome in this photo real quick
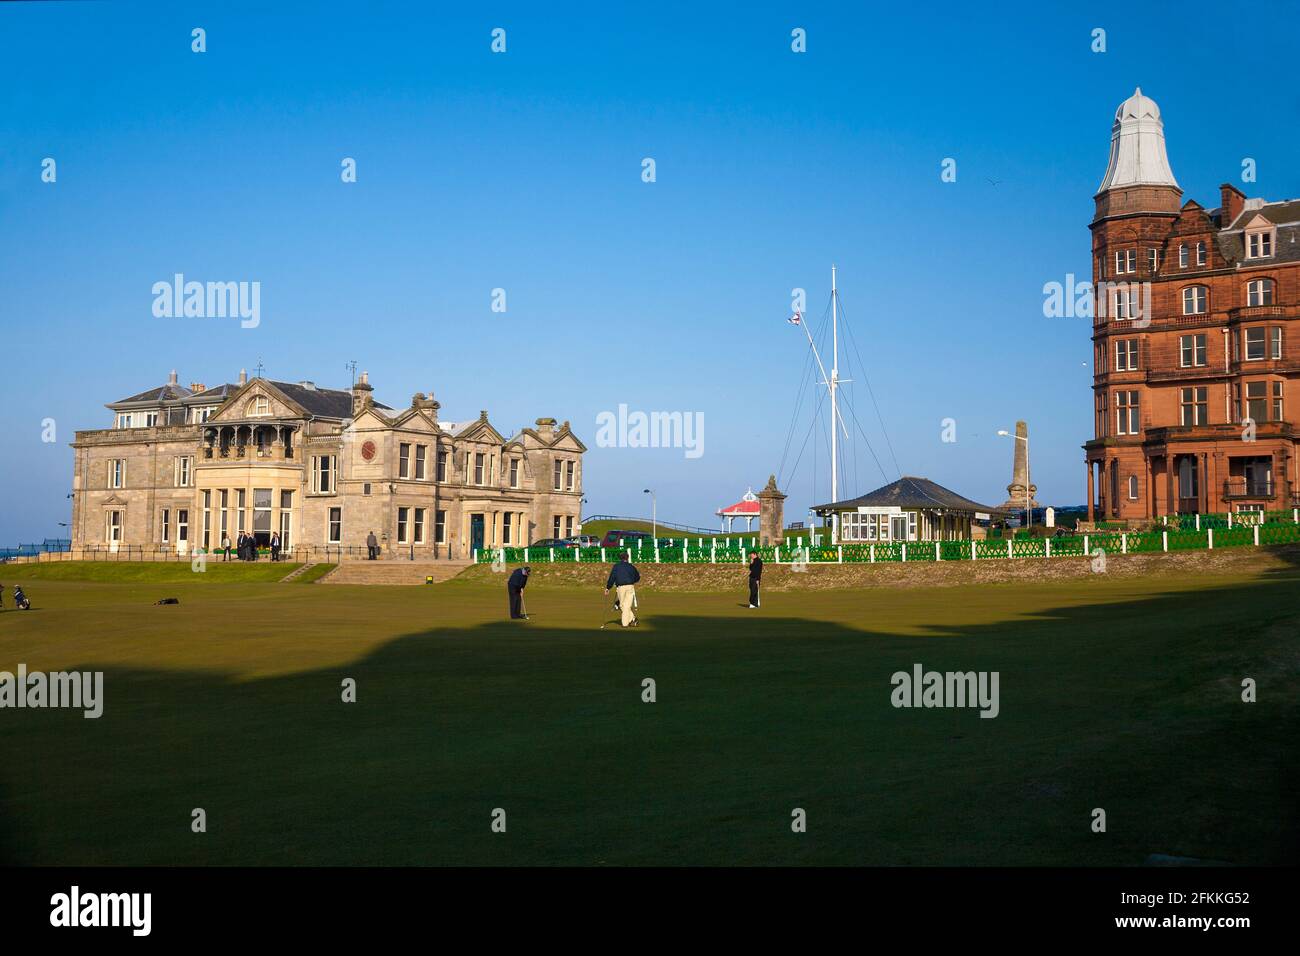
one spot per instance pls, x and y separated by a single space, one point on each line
1137 146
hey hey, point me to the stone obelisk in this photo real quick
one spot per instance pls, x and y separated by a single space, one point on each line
1020 473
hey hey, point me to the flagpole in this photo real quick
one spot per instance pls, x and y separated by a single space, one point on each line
834 383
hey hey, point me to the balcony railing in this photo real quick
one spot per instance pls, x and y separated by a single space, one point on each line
1240 487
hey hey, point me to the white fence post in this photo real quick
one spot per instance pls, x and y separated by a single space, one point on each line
1008 547
1164 540
1229 520
1257 536
1198 521
1048 542
552 555
473 556
602 554
904 552
778 554
840 558
1211 538
1123 543
1085 545
656 552
873 554
936 552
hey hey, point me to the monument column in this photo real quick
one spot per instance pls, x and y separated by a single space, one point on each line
771 514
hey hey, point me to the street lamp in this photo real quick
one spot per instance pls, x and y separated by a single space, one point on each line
1029 515
654 514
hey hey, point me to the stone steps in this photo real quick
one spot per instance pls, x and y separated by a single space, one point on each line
394 572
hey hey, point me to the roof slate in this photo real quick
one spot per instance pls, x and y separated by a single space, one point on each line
910 492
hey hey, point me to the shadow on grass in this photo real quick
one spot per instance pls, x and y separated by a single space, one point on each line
1134 708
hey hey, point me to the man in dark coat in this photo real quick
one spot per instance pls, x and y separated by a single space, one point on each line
515 588
372 546
624 577
755 576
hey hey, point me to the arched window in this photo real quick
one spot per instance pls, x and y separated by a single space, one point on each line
1195 300
259 406
1259 292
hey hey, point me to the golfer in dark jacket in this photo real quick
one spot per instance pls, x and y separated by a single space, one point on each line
515 588
624 577
755 576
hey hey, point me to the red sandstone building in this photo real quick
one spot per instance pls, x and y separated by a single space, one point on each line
1196 340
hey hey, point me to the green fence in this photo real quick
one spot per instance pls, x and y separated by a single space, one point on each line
1212 534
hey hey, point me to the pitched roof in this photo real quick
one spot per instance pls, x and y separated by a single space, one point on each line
910 492
321 402
163 393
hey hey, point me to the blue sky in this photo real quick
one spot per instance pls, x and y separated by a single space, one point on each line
522 171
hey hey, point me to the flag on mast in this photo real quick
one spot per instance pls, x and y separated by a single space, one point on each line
795 319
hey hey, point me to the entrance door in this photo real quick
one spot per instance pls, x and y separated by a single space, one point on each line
898 527
476 532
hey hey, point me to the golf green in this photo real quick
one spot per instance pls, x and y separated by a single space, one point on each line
1122 694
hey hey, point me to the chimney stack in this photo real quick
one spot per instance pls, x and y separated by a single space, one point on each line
361 396
545 428
1232 200
243 376
197 387
171 379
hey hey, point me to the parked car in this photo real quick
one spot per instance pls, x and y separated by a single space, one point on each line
582 541
551 543
612 538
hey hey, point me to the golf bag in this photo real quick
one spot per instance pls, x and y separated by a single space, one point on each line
20 600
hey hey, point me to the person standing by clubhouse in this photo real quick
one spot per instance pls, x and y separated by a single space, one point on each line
372 546
275 546
624 577
755 576
225 547
515 588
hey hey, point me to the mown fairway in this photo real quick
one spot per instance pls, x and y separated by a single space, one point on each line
1120 693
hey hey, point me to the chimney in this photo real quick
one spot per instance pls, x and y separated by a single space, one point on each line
243 376
197 387
171 379
361 394
546 428
1232 200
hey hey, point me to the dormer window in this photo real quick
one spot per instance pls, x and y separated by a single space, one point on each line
259 407
1259 245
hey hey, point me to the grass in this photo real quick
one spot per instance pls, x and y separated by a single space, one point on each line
1116 692
215 571
314 573
599 528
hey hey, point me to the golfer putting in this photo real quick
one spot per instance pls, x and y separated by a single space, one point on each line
623 577
515 588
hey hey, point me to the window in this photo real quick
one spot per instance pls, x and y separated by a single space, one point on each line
1124 301
259 407
1256 401
419 526
123 419
404 460
568 526
559 474
1126 413
1125 261
1259 245
1275 342
323 472
1132 487
506 523
514 472
441 473
183 465
166 525
207 520
1254 345
286 519
1200 253
117 473
113 527
365 488
1183 260
262 513
1194 405
183 525
568 471
225 513
335 533
241 501
480 472
1126 355
1102 420
440 526
402 516
1194 300
1153 260
1259 292
1191 350
419 461
1277 401
558 529
1236 402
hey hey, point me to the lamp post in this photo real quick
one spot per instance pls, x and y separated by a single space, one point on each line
654 514
1029 515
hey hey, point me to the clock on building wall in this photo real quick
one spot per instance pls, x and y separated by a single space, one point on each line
368 450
